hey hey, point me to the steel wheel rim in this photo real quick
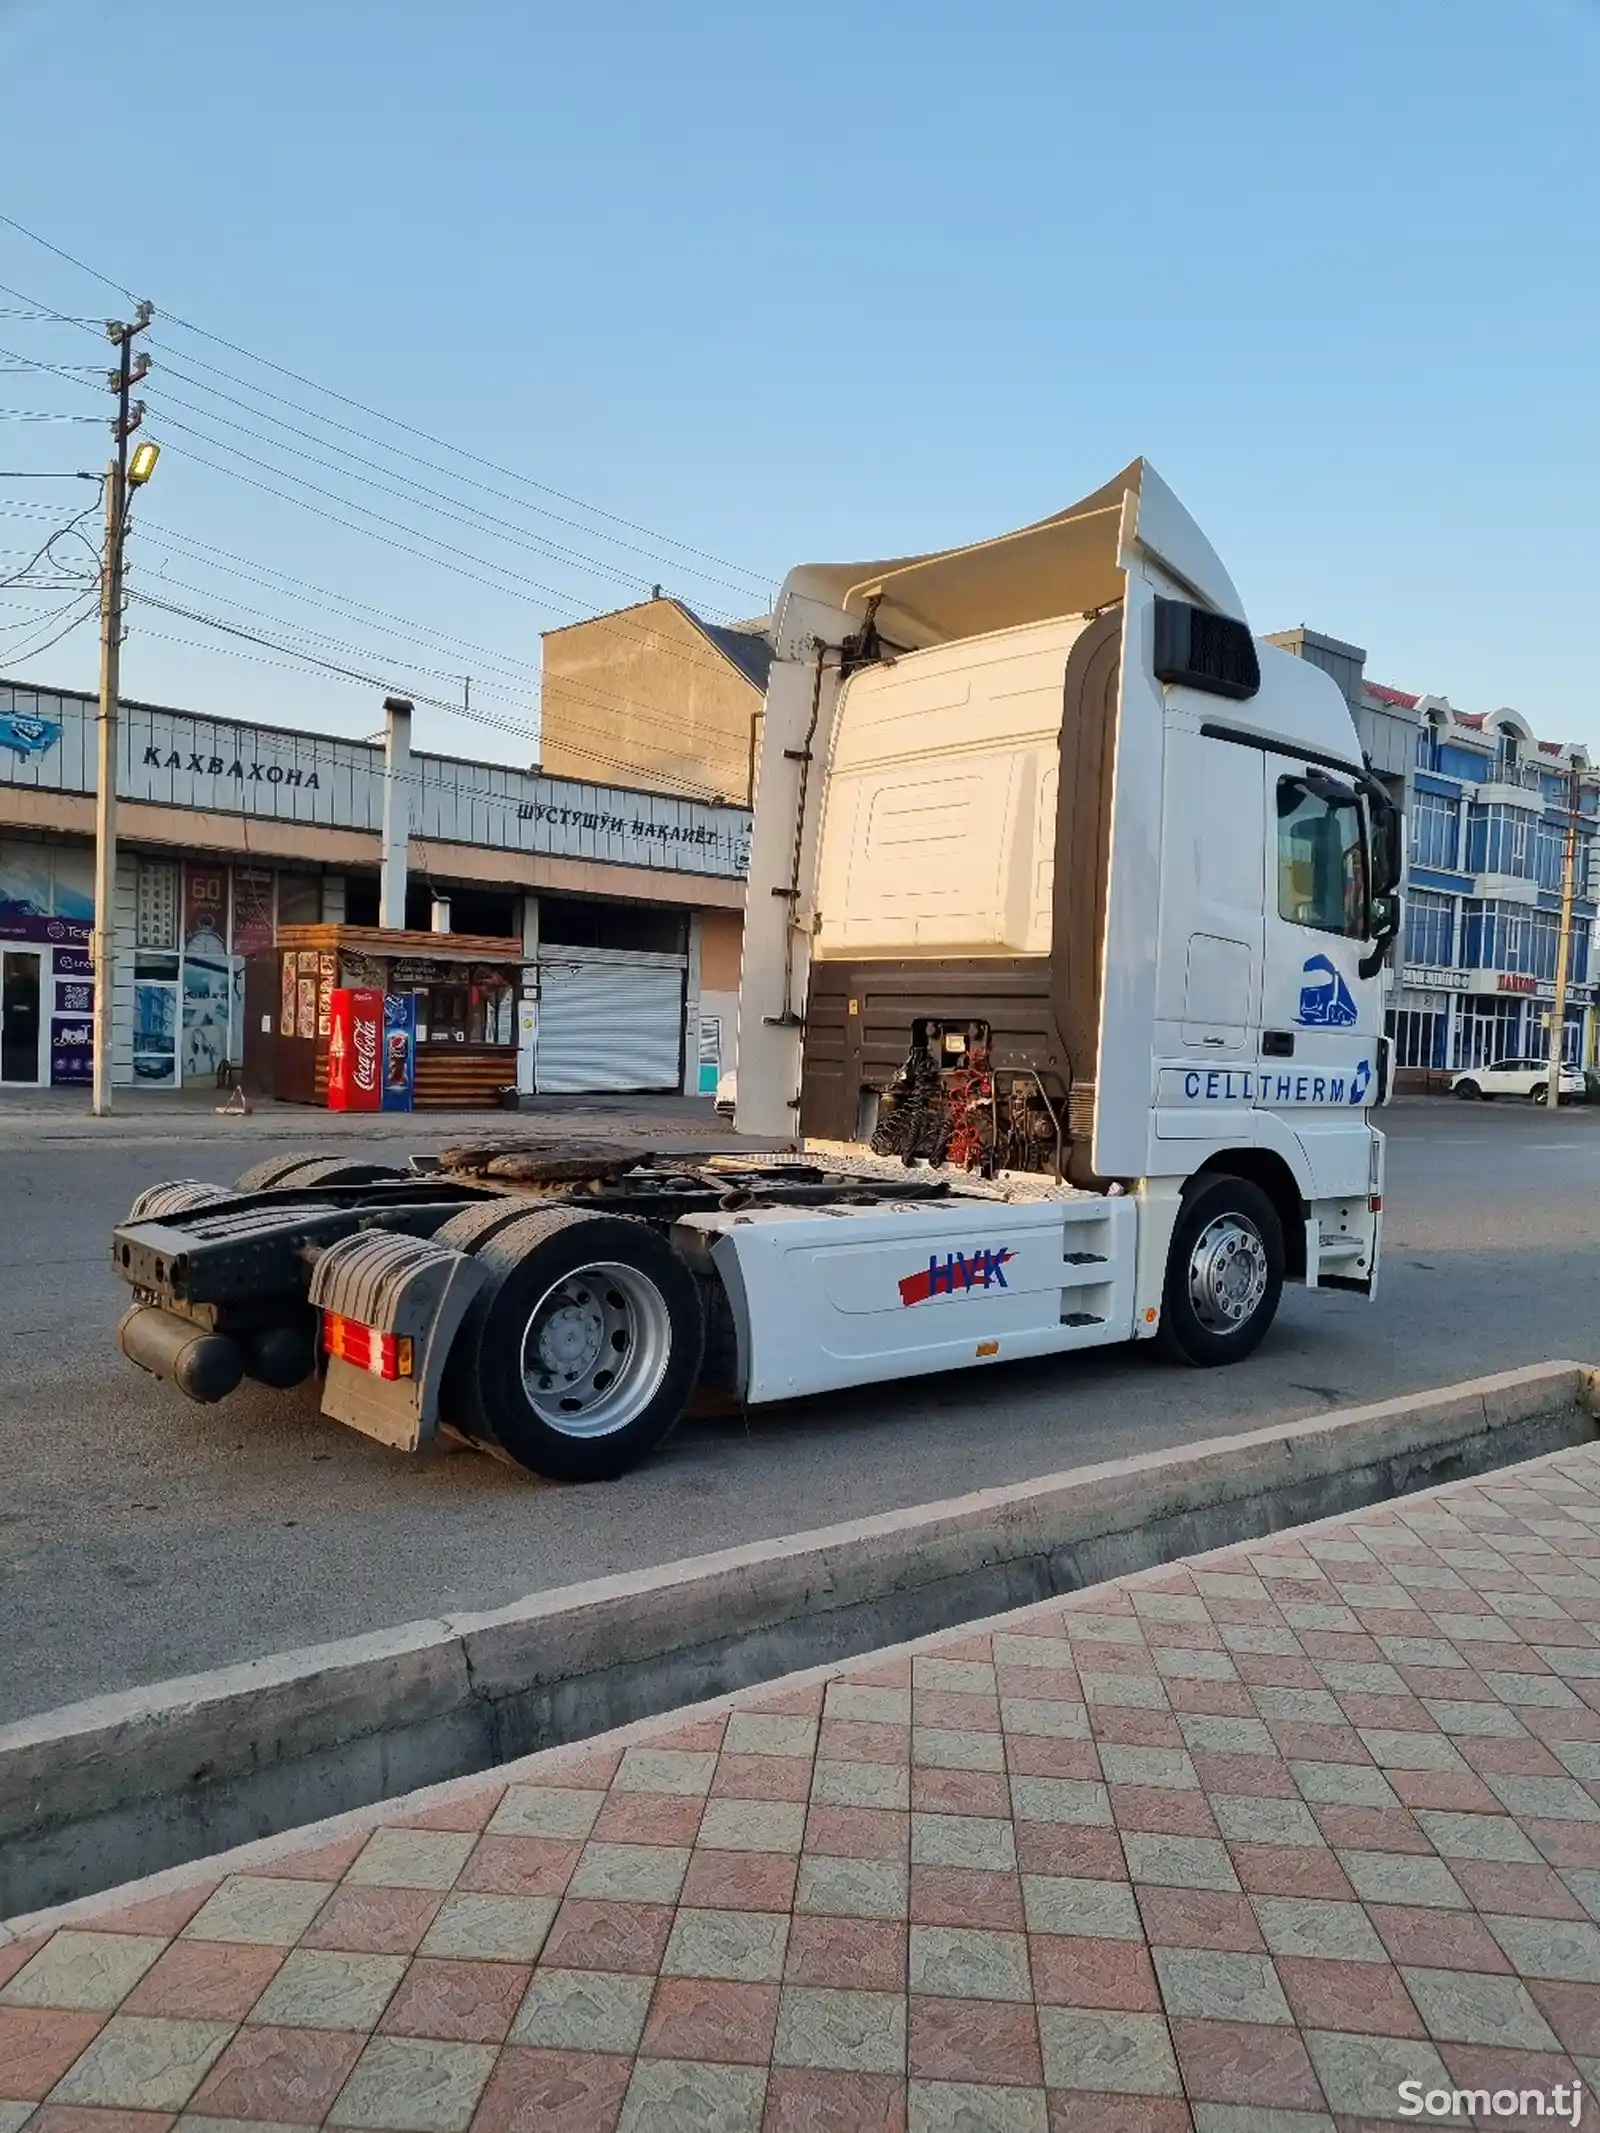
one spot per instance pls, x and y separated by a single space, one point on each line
595 1349
1228 1273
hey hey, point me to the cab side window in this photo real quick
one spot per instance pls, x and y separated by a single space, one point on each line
1322 867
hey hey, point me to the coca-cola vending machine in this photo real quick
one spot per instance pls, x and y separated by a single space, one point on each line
355 1049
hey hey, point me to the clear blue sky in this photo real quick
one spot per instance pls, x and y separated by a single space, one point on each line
788 283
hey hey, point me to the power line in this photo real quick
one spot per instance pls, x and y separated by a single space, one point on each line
589 691
465 481
503 528
16 658
376 414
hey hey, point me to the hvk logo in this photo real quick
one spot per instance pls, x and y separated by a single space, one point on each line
1325 1001
958 1275
28 736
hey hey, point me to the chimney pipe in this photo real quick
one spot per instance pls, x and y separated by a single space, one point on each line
396 810
441 914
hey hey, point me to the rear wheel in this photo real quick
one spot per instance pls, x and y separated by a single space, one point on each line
581 1349
1224 1273
1468 1091
1540 1092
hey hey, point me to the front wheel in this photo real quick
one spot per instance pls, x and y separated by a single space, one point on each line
1468 1091
1224 1274
582 1348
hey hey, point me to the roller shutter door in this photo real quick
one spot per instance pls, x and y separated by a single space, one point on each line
609 1025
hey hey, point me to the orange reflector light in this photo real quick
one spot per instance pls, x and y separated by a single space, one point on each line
987 1348
1150 1316
1375 1203
385 1355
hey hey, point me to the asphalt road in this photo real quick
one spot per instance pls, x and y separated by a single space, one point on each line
142 1537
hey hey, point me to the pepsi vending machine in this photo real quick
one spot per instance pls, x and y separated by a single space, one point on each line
399 1050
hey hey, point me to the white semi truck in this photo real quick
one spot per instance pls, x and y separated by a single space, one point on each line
1068 907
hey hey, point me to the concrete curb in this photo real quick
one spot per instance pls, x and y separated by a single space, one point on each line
106 1791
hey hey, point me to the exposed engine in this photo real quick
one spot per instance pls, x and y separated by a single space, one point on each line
949 1104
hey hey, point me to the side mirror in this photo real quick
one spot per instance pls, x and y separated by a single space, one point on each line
1383 922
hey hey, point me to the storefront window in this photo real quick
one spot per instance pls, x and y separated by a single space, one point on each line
474 1006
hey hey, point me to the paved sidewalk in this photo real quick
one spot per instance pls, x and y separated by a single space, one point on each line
1240 1845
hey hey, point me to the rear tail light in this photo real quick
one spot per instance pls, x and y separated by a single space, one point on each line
385 1355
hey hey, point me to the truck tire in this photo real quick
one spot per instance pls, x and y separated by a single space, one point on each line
581 1349
1224 1274
306 1169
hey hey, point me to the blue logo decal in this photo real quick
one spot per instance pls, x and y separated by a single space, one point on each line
1325 1001
28 736
1360 1082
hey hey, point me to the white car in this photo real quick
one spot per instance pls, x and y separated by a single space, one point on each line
1516 1077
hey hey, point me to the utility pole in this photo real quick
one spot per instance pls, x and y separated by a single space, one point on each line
1558 1010
130 413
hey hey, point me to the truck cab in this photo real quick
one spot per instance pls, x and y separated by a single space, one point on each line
1045 835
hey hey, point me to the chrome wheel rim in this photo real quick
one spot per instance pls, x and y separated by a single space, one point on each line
595 1349
1227 1273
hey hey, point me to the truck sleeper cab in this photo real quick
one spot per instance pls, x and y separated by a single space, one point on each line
1067 907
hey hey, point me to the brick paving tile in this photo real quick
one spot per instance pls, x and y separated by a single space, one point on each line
1360 1997
965 1896
1412 1935
375 1921
1234 1847
809 2100
37 2045
1081 1970
1073 2113
869 1953
740 1881
609 1936
553 2092
983 2041
280 2075
472 2003
509 1866
713 2019
1244 2062
1199 1918
205 1980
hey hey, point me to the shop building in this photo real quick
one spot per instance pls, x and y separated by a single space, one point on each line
1487 808
615 914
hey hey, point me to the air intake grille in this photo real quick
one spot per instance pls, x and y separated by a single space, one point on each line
1196 649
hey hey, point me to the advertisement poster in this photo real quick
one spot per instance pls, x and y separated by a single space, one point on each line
327 972
355 1073
74 996
205 911
286 1014
156 919
399 1050
71 1050
207 1015
155 1034
306 1011
253 903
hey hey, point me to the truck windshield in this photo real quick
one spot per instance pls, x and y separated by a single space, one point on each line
1322 874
